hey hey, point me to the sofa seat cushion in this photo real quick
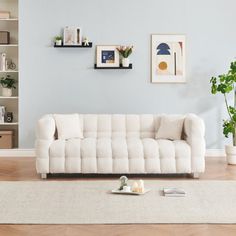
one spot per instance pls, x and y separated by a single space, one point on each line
120 155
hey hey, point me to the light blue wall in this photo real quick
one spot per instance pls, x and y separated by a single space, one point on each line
63 80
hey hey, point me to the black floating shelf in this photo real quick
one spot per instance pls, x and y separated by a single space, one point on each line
74 46
116 68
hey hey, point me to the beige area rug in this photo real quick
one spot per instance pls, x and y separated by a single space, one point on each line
90 202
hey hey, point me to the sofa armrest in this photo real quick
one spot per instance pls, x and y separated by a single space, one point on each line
194 133
45 135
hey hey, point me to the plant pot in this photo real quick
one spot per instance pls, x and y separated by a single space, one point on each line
125 62
6 92
230 154
58 42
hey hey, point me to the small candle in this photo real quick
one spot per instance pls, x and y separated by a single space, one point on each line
141 186
126 189
135 187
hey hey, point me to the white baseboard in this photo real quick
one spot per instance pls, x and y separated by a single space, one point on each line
31 152
17 152
215 153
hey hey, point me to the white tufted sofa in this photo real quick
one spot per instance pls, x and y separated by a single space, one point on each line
120 144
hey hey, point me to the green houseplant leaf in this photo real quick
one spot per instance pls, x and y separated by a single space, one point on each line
225 84
8 82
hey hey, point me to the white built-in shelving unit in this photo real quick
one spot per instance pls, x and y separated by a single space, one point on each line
11 50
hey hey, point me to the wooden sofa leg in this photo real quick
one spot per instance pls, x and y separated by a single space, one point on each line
43 176
195 175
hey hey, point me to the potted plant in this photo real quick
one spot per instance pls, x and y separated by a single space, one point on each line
125 52
7 83
226 84
58 40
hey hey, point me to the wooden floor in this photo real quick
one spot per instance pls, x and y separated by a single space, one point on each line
19 169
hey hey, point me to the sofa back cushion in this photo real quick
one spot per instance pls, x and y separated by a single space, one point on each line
120 126
111 126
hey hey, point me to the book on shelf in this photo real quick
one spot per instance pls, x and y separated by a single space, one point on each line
3 62
4 15
174 192
2 113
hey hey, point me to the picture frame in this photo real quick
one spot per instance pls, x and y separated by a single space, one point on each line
168 58
107 56
72 36
78 36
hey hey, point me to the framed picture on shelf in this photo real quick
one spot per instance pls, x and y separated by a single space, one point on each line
107 56
168 58
72 36
78 36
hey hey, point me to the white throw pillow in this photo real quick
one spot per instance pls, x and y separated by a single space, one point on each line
171 127
68 126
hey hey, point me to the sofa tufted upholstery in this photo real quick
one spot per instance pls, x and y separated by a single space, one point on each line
120 144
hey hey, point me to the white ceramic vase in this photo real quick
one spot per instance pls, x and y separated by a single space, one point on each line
230 154
6 92
125 62
58 42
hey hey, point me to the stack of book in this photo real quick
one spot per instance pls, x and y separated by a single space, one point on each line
174 192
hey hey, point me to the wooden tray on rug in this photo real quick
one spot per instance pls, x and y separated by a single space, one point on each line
116 191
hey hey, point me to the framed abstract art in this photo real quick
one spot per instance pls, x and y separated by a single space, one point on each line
168 58
107 56
72 36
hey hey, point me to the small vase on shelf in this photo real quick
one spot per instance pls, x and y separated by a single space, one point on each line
125 62
6 92
58 40
7 84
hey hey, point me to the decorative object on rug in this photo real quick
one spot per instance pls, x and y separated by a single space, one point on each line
6 139
107 56
135 187
115 191
168 58
127 189
4 37
134 155
8 117
123 182
58 40
4 15
125 52
71 202
72 36
141 186
7 83
86 41
226 84
174 192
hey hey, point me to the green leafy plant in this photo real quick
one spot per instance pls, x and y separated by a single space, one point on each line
125 51
8 82
226 84
57 38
